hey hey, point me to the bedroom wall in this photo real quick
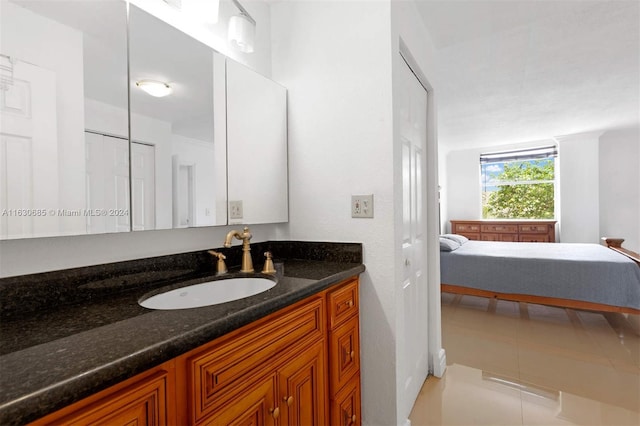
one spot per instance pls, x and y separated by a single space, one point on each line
579 192
619 152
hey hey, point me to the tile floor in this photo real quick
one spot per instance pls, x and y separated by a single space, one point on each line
522 364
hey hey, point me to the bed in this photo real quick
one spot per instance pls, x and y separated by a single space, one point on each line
582 276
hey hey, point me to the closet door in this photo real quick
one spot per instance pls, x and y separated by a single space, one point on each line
143 186
107 183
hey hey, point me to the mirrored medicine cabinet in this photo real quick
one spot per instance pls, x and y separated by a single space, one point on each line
84 150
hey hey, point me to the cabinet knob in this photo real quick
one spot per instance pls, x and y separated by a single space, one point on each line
350 303
352 354
288 400
353 418
275 412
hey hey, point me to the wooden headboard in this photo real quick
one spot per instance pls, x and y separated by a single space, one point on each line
616 245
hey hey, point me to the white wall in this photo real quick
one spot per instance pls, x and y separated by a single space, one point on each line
335 61
579 188
619 166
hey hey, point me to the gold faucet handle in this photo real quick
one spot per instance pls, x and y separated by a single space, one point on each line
221 266
268 264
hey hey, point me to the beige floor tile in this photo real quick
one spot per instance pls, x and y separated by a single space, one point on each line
464 397
517 363
569 409
484 351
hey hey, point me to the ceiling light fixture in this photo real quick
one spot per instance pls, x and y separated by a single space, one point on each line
242 30
154 88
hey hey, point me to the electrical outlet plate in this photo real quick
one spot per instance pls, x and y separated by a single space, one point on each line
235 209
362 206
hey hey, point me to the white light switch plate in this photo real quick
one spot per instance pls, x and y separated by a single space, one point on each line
362 206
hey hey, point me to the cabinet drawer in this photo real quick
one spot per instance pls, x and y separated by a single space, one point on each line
345 408
344 353
230 360
500 237
534 229
512 229
533 238
465 227
343 303
143 403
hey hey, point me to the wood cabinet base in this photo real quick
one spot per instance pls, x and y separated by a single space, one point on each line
275 371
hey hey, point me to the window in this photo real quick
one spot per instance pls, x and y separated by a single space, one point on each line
519 184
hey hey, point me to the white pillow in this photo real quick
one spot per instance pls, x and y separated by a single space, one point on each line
448 245
460 239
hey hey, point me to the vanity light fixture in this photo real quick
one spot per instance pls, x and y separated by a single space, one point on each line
155 88
242 29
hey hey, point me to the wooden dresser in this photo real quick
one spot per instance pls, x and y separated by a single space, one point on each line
506 230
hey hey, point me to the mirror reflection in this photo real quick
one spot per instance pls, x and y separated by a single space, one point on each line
178 165
64 152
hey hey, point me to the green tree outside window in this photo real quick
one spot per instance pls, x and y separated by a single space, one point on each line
518 189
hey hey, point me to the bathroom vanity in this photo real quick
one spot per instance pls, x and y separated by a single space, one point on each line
289 355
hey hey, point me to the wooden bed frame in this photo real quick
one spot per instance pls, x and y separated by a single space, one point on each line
613 243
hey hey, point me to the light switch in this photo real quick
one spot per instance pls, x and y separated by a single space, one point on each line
362 206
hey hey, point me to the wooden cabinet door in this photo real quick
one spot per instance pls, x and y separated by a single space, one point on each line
302 388
344 353
255 406
345 408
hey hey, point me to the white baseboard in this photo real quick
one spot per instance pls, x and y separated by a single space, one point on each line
440 363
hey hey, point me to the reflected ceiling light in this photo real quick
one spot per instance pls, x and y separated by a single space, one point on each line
242 30
154 88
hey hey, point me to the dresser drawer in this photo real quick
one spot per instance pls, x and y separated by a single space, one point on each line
500 237
229 361
502 228
343 303
533 229
534 238
459 228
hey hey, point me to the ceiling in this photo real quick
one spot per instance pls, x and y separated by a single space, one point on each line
517 71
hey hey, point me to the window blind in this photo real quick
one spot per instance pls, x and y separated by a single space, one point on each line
520 155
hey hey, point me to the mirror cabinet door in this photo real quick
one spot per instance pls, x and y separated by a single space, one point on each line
64 155
178 163
256 147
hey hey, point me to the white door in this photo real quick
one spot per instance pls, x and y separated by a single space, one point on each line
183 193
143 184
413 132
107 186
28 153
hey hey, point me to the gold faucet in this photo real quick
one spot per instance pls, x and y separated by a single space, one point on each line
247 263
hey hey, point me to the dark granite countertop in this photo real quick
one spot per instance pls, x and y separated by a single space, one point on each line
57 354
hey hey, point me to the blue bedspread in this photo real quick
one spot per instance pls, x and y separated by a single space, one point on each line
586 272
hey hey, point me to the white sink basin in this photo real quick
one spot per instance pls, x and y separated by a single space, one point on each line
209 293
